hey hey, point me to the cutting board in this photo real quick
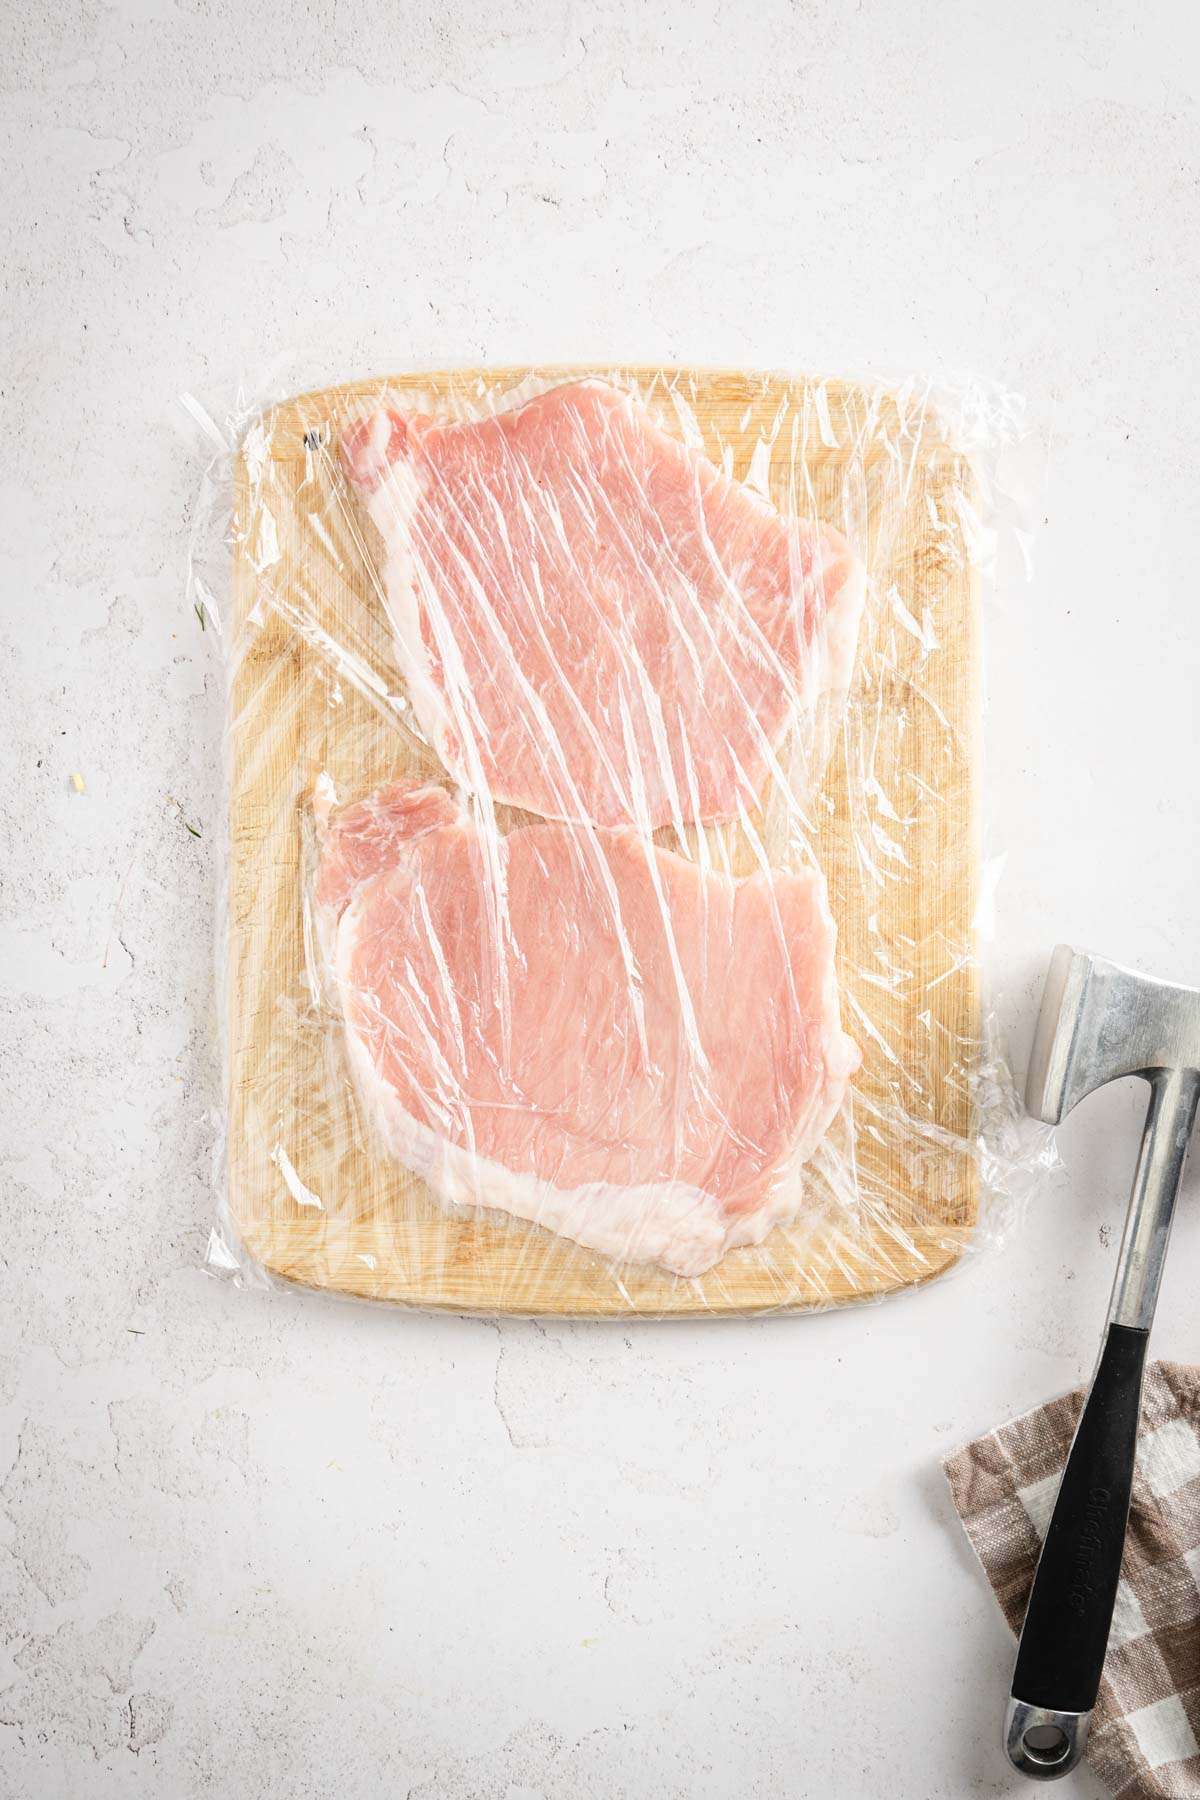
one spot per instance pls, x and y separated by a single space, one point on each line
314 688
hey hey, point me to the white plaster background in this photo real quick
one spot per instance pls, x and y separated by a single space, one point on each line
263 1545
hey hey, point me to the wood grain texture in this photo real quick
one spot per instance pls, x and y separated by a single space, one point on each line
893 1197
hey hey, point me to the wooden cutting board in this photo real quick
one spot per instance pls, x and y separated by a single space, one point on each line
314 688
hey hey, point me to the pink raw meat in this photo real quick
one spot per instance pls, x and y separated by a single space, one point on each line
580 1029
592 620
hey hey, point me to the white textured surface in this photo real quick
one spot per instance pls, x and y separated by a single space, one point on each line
262 1545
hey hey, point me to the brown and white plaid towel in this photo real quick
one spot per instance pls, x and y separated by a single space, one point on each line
1145 1741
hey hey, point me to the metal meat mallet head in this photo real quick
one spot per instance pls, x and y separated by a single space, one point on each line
1099 1022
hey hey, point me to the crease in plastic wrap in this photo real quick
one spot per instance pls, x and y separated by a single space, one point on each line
601 913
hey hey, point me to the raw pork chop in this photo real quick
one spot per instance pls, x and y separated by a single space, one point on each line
577 1028
593 621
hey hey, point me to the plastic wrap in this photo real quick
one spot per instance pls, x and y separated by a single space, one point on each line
600 925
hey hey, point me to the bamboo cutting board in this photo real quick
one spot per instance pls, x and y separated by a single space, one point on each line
314 690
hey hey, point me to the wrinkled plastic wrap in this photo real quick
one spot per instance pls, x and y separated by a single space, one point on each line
600 925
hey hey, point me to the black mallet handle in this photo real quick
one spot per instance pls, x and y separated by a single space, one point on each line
1070 1608
1065 1636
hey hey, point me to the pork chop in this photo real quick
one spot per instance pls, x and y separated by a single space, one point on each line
593 621
577 1028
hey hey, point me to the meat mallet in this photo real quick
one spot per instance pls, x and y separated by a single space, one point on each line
1099 1022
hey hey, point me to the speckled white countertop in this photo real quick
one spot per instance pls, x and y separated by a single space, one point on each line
263 1545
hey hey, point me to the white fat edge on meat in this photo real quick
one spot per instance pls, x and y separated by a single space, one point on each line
670 1223
783 1199
392 507
680 1227
840 1059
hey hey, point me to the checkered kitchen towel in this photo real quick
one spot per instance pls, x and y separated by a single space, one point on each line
1145 1741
